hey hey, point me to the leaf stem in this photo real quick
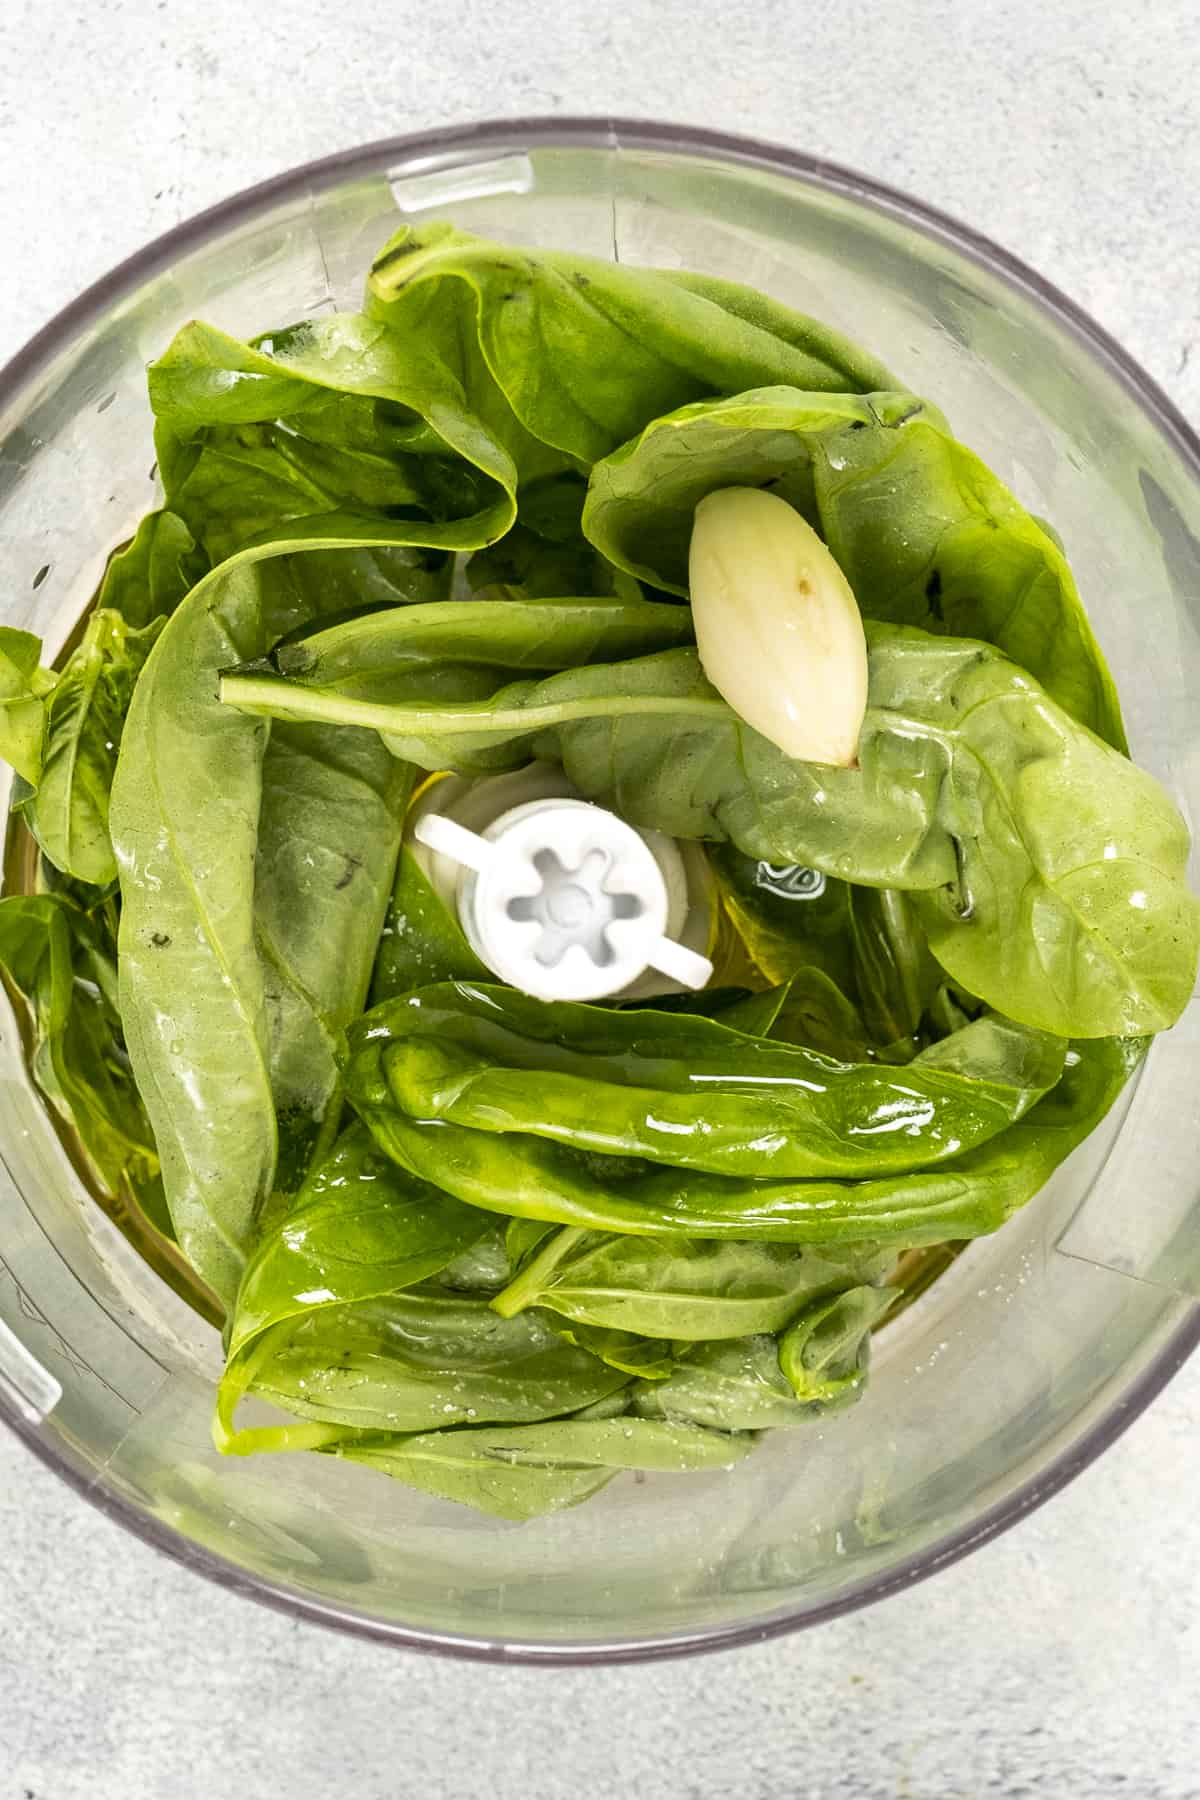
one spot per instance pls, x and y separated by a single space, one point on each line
277 698
529 1283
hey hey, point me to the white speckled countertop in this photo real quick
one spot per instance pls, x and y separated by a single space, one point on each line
1062 1660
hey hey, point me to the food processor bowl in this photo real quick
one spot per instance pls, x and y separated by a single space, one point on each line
1035 1347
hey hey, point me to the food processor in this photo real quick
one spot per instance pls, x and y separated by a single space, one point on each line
1033 1348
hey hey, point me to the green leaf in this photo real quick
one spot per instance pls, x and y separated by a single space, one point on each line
540 1183
483 1267
582 352
682 1288
735 1384
415 1360
330 820
200 976
362 1228
148 578
813 1011
325 1325
925 534
258 436
647 1358
23 687
195 972
928 536
641 499
414 650
686 1091
824 1353
422 941
470 1467
525 1471
896 978
1061 866
254 440
85 717
58 959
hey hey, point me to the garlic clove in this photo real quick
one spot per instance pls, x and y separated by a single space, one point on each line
777 626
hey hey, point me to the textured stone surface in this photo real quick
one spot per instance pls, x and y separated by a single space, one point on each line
1063 1660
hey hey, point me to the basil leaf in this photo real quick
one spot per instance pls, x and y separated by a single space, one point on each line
925 534
525 1471
362 1228
570 354
824 1353
687 1091
681 1288
411 1361
647 1358
24 685
735 1384
1061 867
422 941
62 963
85 719
148 578
390 654
539 1183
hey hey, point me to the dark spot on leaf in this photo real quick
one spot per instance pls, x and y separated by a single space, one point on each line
160 939
396 254
858 424
353 864
511 295
41 576
580 279
933 593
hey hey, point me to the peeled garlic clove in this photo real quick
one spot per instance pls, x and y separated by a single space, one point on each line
777 625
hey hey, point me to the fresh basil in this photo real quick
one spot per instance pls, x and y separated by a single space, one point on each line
567 354
687 1091
925 533
62 962
679 1288
824 1353
1049 872
523 1471
495 1249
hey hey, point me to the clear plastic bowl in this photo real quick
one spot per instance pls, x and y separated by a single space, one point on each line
1036 1349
